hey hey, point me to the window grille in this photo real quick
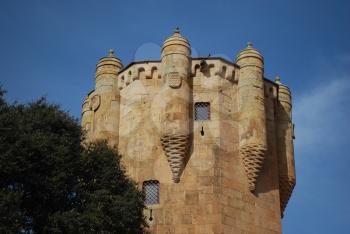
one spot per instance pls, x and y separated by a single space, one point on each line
202 111
151 191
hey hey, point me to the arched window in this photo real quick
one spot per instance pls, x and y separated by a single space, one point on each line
151 191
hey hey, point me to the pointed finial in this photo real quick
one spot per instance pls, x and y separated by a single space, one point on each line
278 80
111 53
249 44
177 30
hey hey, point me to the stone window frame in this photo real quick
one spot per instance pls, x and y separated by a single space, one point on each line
207 112
151 189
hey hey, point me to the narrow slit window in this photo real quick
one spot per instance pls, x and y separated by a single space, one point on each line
202 111
151 191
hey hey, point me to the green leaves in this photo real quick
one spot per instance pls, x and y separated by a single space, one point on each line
49 183
108 199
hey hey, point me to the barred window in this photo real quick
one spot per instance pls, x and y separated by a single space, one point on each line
151 191
202 111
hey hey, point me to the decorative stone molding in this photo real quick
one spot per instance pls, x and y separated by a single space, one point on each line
286 188
174 80
253 157
95 102
175 146
86 105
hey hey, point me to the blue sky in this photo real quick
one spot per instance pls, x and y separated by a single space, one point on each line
51 47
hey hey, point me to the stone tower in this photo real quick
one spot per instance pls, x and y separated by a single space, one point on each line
210 141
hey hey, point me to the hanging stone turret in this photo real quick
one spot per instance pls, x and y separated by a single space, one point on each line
252 122
285 148
175 69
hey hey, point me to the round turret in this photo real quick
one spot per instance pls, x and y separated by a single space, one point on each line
176 44
176 60
175 70
250 57
284 95
285 148
104 100
107 69
252 127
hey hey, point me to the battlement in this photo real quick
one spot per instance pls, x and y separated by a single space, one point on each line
208 66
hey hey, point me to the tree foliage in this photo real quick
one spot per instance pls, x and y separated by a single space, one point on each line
49 183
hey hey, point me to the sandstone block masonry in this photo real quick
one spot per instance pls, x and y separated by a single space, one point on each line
209 141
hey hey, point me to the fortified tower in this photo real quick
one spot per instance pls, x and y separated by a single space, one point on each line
210 141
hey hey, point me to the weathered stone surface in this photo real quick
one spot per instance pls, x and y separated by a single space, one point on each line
231 173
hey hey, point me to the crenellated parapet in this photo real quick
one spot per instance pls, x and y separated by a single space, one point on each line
212 74
213 66
204 67
138 71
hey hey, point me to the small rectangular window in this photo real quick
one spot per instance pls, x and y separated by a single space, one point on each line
151 191
202 111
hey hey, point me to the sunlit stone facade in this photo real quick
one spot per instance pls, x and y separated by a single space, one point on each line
210 140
